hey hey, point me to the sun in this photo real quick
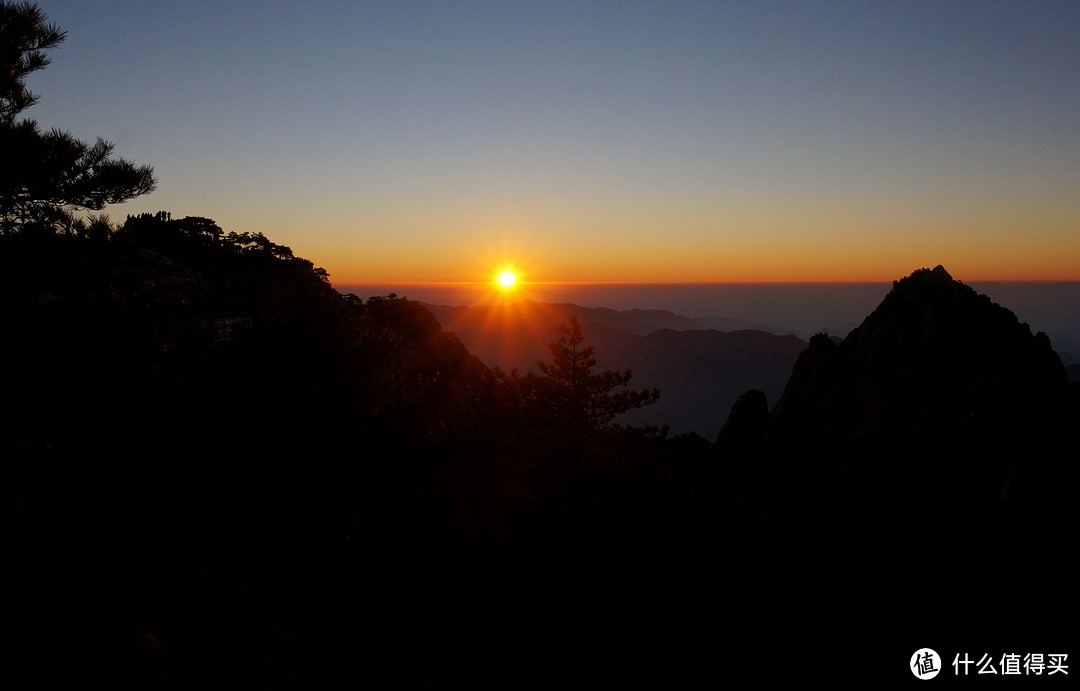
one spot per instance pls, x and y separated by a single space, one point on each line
506 283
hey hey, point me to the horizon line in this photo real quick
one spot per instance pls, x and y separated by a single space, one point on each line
491 284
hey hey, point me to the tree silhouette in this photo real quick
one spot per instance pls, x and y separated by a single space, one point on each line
44 174
581 398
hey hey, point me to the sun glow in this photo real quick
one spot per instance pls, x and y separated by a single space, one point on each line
506 278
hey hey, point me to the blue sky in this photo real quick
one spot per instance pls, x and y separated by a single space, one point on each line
597 141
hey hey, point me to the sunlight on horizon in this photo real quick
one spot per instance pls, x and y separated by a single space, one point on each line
506 280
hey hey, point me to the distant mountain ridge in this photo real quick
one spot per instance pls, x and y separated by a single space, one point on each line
700 369
700 373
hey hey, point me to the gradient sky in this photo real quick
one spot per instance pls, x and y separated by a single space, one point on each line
597 141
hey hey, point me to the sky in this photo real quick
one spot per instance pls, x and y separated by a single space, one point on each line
597 141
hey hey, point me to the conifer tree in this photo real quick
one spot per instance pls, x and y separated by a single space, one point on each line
45 176
582 398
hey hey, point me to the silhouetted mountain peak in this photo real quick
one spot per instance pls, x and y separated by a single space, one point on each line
747 424
941 408
934 368
940 273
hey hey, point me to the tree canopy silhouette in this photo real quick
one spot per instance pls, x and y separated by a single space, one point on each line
46 176
584 399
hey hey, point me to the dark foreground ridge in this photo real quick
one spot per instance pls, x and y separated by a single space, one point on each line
219 472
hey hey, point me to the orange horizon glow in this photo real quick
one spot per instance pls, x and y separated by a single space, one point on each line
534 261
773 249
521 287
965 269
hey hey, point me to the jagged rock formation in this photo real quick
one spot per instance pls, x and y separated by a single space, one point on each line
940 398
747 425
933 368
921 454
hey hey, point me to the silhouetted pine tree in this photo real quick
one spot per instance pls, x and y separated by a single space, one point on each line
44 174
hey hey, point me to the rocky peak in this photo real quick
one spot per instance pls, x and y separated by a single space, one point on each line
940 409
936 368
